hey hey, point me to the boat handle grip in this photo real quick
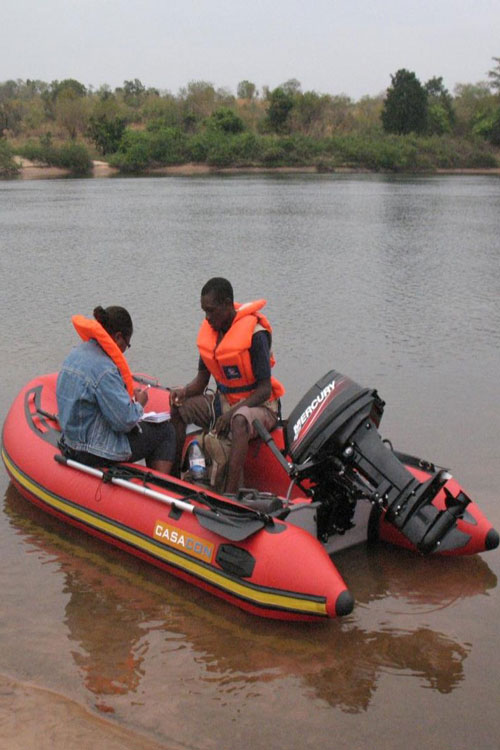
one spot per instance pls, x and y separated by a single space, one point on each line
267 438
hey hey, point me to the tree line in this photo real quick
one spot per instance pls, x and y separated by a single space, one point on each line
413 125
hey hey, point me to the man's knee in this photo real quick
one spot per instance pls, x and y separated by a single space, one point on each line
240 427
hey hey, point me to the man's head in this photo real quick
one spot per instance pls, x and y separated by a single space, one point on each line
217 302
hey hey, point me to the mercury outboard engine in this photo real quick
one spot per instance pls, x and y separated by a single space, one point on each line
338 457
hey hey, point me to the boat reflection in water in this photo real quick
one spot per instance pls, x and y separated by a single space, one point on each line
119 609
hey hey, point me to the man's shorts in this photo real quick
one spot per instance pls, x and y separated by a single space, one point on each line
199 410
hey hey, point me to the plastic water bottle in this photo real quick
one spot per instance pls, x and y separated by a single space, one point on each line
197 465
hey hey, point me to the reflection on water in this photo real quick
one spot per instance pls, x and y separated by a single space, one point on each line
105 597
109 666
419 584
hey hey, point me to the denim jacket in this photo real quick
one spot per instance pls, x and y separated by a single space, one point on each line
95 410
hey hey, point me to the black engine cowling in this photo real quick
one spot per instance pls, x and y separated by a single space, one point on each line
333 441
333 403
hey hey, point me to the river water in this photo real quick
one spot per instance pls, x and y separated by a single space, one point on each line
393 281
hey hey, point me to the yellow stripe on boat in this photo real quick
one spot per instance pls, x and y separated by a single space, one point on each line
276 599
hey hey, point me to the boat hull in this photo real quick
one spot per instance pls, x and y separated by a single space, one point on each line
281 571
276 567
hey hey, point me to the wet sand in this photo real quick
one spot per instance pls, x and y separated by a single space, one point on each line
34 718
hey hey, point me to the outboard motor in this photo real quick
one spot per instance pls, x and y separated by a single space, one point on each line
340 457
325 410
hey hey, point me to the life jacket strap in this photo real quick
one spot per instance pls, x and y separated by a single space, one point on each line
236 388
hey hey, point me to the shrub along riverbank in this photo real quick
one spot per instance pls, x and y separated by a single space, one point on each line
151 149
71 155
143 150
8 167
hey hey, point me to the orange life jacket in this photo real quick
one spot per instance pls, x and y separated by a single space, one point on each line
229 360
87 328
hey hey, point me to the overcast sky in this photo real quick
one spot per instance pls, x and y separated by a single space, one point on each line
330 46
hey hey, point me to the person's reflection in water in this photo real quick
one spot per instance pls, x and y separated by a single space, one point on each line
111 665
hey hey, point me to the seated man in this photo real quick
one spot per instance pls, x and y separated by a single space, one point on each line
234 342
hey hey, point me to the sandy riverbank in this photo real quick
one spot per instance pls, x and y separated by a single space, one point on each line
31 171
33 718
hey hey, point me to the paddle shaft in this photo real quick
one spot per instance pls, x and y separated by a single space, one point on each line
233 528
140 490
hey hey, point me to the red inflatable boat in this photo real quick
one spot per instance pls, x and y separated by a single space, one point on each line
323 480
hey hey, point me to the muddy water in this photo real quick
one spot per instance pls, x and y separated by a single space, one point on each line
394 282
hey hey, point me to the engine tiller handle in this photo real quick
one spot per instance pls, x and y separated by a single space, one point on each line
267 438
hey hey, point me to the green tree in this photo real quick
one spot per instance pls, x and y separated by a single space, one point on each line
440 112
75 157
8 166
252 112
494 134
494 75
308 112
487 123
199 100
405 105
279 109
292 86
106 132
72 112
70 86
246 90
367 114
33 88
226 121
104 93
33 114
11 110
340 114
473 103
69 89
163 110
31 109
319 115
224 97
133 93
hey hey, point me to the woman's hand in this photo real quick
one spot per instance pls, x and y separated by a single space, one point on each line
141 396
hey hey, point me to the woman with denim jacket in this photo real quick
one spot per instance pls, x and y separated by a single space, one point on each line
99 417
